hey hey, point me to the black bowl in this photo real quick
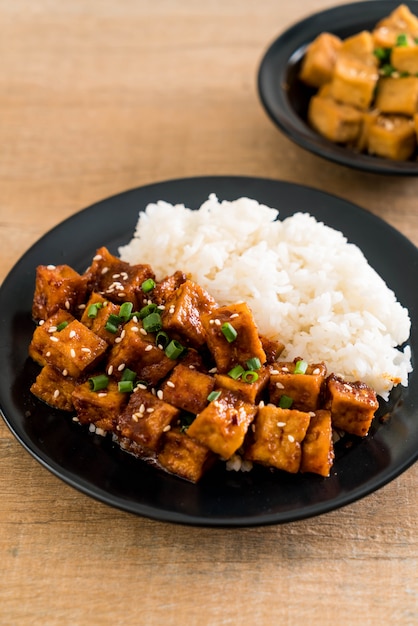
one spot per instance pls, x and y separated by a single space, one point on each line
286 98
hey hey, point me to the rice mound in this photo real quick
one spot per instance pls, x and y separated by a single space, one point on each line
305 284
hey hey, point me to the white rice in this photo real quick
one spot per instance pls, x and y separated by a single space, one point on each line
306 285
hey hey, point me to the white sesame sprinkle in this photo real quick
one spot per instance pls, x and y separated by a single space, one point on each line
311 413
217 322
281 424
142 408
135 319
166 428
67 304
65 372
87 350
102 394
160 394
150 409
41 322
81 306
72 334
213 370
233 316
161 307
316 370
54 339
118 339
170 384
148 348
279 385
105 270
291 438
123 333
121 367
110 370
98 257
143 331
124 275
274 372
56 393
261 404
135 329
211 321
115 275
48 353
192 367
75 419
141 386
72 353
52 329
50 267
171 310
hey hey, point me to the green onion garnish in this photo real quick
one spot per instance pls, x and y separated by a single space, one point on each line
387 69
98 382
300 367
148 285
402 40
147 310
174 349
285 402
152 323
162 339
229 332
236 372
249 376
383 54
214 395
112 323
253 364
62 326
125 386
128 374
93 309
125 311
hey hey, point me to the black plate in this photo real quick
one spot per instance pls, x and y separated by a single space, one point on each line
96 467
286 98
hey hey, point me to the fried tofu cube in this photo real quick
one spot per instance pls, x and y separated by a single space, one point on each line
250 391
277 438
185 457
317 446
400 21
359 46
247 343
392 137
144 421
138 352
187 389
100 408
405 59
369 118
96 314
354 82
75 349
303 389
272 348
352 405
340 123
398 95
223 424
181 317
55 389
166 288
117 280
57 287
319 60
41 338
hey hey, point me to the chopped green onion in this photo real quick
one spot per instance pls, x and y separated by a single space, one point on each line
387 69
112 324
174 349
98 382
285 402
152 323
93 309
125 311
125 386
249 376
214 395
148 285
62 326
383 54
300 367
186 420
402 40
229 332
162 339
236 372
254 363
128 374
147 310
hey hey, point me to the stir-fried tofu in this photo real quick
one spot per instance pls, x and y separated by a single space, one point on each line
52 387
354 82
223 424
352 405
41 339
302 388
243 344
340 123
96 315
165 288
392 137
100 408
319 60
75 349
183 456
400 21
182 314
317 447
405 59
272 348
145 420
57 287
117 280
398 95
137 351
187 389
249 390
277 438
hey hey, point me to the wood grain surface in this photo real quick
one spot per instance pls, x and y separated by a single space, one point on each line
99 96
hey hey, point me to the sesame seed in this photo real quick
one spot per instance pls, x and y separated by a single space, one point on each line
171 310
285 369
135 319
148 348
161 307
67 304
150 409
291 438
141 386
41 322
311 413
316 370
110 370
261 404
115 275
72 353
123 333
192 367
85 350
234 315
56 393
135 417
81 306
253 427
54 339
143 331
121 367
281 424
124 275
217 322
102 394
50 267
105 270
52 329
274 372
279 385
166 428
75 419
121 294
98 257
65 372
160 394
142 408
213 370
118 339
135 329
211 321
48 353
72 334
170 384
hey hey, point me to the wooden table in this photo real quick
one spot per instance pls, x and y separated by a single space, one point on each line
97 97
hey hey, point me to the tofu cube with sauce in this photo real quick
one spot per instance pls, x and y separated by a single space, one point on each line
400 21
250 391
100 408
277 437
41 339
304 389
55 389
184 456
392 137
352 405
57 287
181 317
405 59
75 349
319 60
223 424
317 446
96 314
144 421
247 343
340 123
187 389
353 82
398 95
